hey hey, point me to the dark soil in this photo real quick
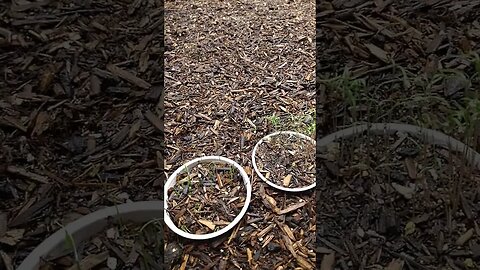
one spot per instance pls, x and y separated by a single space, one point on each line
287 160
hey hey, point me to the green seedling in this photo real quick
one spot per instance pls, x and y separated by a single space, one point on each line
274 121
71 245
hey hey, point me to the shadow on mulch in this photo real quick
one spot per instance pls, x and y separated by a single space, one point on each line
80 113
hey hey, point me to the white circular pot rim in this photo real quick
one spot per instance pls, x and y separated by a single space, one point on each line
425 134
172 179
254 162
85 227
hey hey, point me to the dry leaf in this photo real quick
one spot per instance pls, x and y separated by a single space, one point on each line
95 85
184 262
12 237
46 81
207 223
406 192
469 263
454 84
41 123
378 52
249 256
409 228
411 168
286 180
304 263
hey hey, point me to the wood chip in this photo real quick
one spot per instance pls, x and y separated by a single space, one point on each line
292 208
3 223
28 213
207 223
154 120
411 168
328 262
128 76
42 122
464 237
395 264
406 192
91 261
378 52
29 175
95 85
432 46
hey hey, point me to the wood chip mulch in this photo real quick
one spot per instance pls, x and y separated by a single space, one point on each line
80 116
393 198
229 66
414 62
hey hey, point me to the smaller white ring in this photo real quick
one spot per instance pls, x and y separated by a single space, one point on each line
299 189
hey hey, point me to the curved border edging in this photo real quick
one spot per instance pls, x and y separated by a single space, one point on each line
254 162
425 134
172 180
89 225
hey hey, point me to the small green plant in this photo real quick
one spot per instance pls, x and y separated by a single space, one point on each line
351 91
274 121
302 122
70 244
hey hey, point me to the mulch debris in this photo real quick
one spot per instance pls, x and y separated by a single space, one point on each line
80 114
287 160
414 62
392 197
122 246
230 65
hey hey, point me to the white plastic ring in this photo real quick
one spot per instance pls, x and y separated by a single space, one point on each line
254 162
172 180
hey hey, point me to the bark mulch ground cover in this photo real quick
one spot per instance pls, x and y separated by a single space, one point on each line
123 246
414 62
231 67
80 121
